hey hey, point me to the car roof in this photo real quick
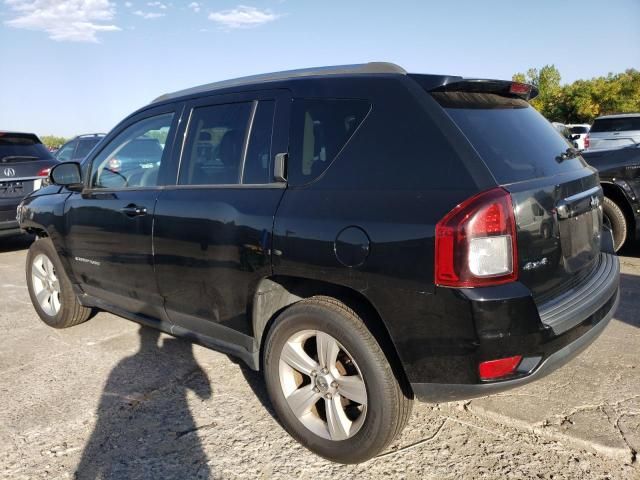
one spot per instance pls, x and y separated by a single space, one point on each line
356 69
620 115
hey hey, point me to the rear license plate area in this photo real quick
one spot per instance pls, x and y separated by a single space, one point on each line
15 189
580 239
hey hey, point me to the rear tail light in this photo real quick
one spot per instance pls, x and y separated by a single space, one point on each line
586 141
494 369
44 172
476 242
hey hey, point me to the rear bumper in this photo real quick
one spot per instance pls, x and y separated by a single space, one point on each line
565 327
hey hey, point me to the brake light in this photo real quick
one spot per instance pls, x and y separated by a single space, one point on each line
44 172
520 88
476 242
502 367
586 141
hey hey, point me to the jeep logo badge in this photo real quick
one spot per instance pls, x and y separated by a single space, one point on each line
9 172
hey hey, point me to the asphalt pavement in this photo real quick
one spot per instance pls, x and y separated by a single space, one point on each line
110 399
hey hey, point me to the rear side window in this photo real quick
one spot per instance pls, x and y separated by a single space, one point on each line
257 164
215 141
623 124
320 128
513 139
21 148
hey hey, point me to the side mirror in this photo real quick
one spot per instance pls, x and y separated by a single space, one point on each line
67 174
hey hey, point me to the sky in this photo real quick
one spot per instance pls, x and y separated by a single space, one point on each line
80 66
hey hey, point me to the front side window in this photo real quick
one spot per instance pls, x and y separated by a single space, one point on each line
133 158
215 144
320 128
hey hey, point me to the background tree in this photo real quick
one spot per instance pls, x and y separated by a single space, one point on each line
52 141
583 100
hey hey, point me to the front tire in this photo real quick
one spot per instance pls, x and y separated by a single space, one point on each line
330 382
50 289
614 218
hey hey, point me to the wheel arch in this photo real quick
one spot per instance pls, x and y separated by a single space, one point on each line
615 193
275 294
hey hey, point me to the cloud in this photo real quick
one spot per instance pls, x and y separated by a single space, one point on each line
128 4
159 5
243 17
64 20
148 15
195 6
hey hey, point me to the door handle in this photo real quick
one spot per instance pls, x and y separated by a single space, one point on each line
132 210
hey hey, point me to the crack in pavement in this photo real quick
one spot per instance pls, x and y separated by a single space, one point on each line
415 444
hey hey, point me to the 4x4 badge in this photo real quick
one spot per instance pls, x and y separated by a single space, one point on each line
9 172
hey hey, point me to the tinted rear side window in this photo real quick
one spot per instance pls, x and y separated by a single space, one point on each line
320 128
513 139
21 147
215 141
257 164
623 124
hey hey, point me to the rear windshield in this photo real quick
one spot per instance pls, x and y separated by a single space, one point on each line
85 145
21 148
579 130
622 124
513 139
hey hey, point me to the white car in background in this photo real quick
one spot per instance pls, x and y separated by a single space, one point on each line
612 131
579 132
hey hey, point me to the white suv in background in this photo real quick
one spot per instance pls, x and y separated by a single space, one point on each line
579 132
612 131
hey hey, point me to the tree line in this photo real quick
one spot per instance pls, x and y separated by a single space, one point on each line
582 100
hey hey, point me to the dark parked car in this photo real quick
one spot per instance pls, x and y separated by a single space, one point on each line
24 164
78 148
619 171
360 234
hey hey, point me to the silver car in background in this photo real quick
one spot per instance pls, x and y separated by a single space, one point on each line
612 131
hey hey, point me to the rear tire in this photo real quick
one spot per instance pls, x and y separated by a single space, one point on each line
50 289
614 218
355 385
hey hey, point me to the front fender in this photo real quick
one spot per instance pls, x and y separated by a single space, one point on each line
43 215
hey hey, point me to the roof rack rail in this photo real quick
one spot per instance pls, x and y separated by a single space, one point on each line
363 68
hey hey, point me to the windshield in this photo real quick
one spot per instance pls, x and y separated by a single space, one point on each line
17 147
513 139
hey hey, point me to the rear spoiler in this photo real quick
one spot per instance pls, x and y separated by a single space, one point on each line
437 83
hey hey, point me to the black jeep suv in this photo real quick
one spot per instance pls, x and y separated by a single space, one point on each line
361 234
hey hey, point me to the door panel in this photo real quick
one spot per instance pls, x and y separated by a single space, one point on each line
111 249
212 233
110 223
212 246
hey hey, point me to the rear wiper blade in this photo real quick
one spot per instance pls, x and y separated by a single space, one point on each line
568 154
14 157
